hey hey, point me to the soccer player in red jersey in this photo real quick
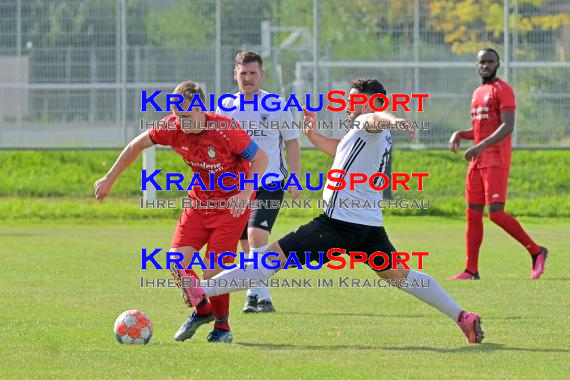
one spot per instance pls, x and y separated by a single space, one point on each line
493 120
217 150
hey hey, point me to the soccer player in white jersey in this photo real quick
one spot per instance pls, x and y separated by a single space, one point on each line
248 73
364 149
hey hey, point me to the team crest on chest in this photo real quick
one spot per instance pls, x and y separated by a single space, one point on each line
211 153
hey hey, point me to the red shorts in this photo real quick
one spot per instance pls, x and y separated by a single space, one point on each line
486 185
218 229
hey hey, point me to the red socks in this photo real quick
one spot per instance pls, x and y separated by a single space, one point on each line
221 309
508 223
473 238
204 307
219 305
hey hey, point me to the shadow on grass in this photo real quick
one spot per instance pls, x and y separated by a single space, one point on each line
19 234
484 347
345 314
383 315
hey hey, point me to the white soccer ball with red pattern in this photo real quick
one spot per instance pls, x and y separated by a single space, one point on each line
133 327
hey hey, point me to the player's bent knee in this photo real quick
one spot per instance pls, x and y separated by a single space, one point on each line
496 207
497 217
187 253
276 263
257 237
476 207
394 274
245 245
209 273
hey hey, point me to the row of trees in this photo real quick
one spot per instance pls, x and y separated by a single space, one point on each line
384 26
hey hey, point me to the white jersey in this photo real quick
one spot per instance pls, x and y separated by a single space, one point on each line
359 151
270 139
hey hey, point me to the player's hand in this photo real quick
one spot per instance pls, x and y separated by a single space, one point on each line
310 121
454 142
473 152
294 192
241 202
103 188
411 130
412 134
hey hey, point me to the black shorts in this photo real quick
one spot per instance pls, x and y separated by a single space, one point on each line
324 233
264 218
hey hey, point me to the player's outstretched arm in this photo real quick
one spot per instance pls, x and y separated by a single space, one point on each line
456 137
381 120
293 149
325 144
505 129
104 185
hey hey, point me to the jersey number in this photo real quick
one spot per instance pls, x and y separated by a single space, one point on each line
379 181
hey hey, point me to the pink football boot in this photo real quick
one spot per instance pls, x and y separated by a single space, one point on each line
465 276
189 284
539 265
470 324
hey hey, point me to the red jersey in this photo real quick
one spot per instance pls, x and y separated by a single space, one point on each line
487 102
215 151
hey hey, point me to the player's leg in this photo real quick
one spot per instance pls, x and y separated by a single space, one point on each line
203 310
475 197
238 279
251 301
190 237
421 285
226 231
320 235
259 228
496 183
259 238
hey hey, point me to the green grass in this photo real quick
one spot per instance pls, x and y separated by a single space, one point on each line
539 183
64 282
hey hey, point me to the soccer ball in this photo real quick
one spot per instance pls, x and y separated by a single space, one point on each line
133 327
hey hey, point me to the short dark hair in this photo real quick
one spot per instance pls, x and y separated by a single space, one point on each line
491 50
188 89
369 87
248 56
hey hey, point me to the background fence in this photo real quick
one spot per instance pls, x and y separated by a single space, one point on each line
71 71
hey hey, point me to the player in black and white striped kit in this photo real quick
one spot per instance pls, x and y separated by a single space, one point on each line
359 151
363 149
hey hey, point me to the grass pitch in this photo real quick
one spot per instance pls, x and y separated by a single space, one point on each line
64 284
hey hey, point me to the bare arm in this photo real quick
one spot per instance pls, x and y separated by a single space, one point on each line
325 144
505 129
467 134
456 137
293 149
379 121
104 185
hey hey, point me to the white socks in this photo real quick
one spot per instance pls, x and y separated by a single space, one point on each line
240 279
262 291
433 294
